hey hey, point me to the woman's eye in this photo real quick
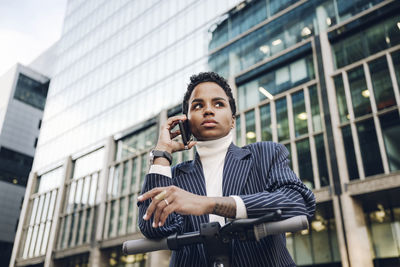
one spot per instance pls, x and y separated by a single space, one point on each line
219 104
197 106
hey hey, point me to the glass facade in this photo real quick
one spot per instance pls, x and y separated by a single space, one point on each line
123 69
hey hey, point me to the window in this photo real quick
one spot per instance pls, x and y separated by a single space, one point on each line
250 127
341 99
305 163
390 125
282 119
350 153
359 92
382 84
31 91
369 147
371 40
265 116
299 113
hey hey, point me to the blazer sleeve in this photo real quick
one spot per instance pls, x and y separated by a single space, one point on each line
174 222
282 188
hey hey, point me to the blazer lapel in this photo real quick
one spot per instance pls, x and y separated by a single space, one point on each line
238 163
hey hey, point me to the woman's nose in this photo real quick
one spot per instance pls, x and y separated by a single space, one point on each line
208 110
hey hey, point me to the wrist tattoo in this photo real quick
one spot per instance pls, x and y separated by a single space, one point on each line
225 206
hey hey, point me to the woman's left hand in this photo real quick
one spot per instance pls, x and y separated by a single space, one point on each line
165 200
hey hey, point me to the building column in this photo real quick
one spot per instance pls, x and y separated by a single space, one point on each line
95 256
22 217
353 239
55 226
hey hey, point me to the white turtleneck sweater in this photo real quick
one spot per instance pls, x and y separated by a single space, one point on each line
212 156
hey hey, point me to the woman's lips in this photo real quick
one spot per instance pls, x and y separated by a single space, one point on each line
209 123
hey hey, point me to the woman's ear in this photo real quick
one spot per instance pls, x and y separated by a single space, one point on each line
233 122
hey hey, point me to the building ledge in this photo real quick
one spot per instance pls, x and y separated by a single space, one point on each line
30 261
71 251
119 240
323 194
374 184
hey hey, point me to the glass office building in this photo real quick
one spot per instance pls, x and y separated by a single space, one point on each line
321 77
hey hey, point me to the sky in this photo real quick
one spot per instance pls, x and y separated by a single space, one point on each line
28 28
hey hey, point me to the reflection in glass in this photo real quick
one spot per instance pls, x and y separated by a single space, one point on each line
321 157
78 229
85 193
112 208
78 194
381 83
341 98
282 33
390 125
383 231
88 163
350 153
359 92
45 238
135 143
125 177
368 41
39 240
121 216
50 180
315 109
70 230
290 155
93 189
304 162
143 168
250 127
299 113
115 184
130 213
33 241
238 132
87 230
369 147
282 119
133 175
265 116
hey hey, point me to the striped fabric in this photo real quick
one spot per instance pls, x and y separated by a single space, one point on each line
260 175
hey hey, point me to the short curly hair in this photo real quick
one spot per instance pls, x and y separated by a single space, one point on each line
208 77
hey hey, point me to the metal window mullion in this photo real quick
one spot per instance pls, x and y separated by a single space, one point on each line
257 120
311 139
392 73
134 216
376 119
273 121
353 126
292 137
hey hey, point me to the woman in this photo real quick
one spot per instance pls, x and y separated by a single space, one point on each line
223 181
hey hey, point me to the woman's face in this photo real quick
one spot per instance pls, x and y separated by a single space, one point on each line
209 112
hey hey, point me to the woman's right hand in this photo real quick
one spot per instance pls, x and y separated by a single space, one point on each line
165 140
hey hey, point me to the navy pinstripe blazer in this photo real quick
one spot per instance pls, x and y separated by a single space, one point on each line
260 175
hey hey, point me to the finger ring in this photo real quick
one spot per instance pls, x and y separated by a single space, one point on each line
186 147
166 201
161 195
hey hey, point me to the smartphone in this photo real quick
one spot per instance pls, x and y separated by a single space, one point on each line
184 127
